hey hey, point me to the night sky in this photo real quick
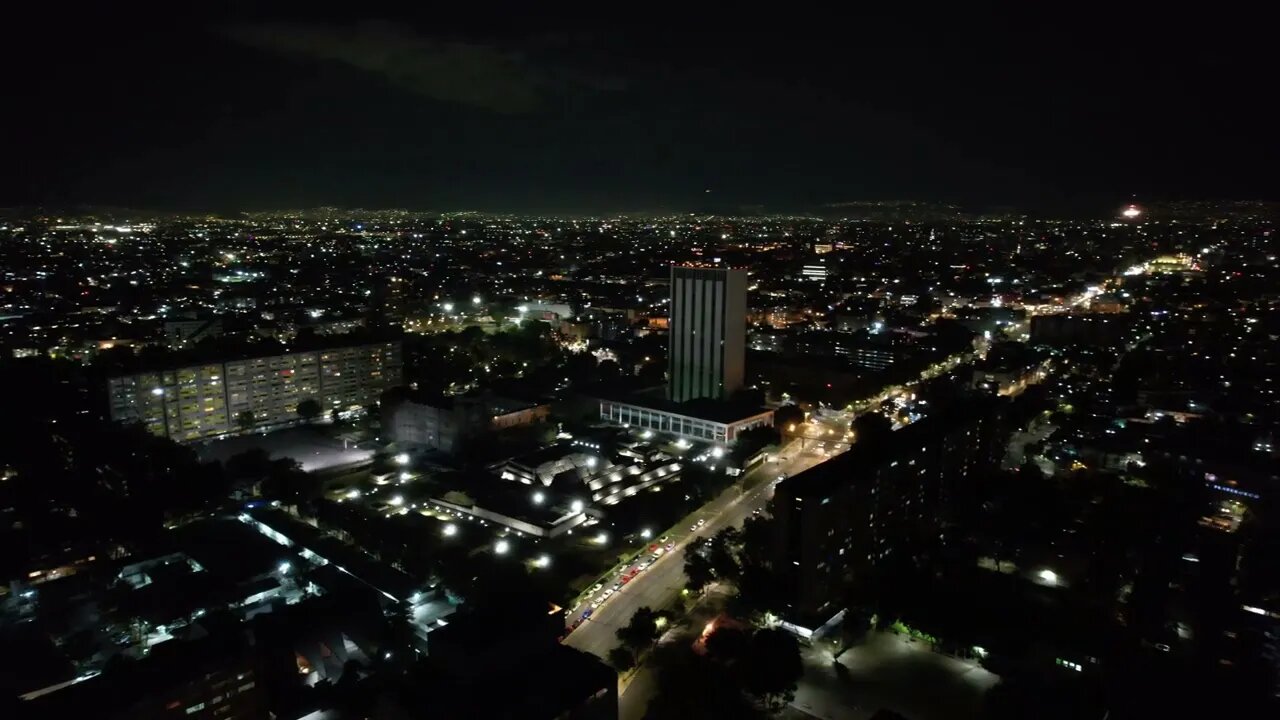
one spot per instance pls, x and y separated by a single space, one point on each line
252 113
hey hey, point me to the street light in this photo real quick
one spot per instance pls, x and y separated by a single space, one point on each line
501 547
645 533
543 561
402 459
450 530
284 568
448 307
475 300
602 538
1048 577
577 506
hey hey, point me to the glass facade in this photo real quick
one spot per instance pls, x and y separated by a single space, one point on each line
682 425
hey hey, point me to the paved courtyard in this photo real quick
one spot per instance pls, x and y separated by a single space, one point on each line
888 671
309 446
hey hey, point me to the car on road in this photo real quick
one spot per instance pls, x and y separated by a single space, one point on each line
671 546
595 588
756 511
626 579
616 586
587 613
697 525
664 539
643 566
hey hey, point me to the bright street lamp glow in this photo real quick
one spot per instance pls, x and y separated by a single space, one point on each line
1048 577
539 498
450 530
475 300
577 506
402 459
502 547
284 568
717 452
353 493
448 307
543 561
591 462
397 500
157 391
646 532
602 538
1131 212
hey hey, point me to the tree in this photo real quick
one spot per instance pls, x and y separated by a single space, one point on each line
698 569
728 644
621 658
722 553
786 416
244 420
642 630
772 667
252 463
287 482
309 410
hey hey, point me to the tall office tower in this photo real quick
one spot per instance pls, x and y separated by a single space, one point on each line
708 332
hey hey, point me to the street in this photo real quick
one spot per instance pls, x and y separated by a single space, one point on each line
659 586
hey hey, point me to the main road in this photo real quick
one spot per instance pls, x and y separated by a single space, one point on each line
659 585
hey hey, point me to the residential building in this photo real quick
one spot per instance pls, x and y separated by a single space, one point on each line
708 332
220 398
884 497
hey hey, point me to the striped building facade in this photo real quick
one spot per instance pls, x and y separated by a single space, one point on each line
708 332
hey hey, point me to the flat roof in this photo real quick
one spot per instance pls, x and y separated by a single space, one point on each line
725 412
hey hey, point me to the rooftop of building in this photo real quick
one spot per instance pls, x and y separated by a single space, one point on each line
824 478
227 348
718 411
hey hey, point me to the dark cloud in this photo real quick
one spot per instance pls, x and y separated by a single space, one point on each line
462 73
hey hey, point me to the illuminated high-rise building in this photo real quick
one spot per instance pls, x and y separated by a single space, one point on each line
708 332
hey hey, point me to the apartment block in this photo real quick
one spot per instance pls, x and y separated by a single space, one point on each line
224 398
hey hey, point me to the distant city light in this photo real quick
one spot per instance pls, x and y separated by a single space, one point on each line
157 391
1131 212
